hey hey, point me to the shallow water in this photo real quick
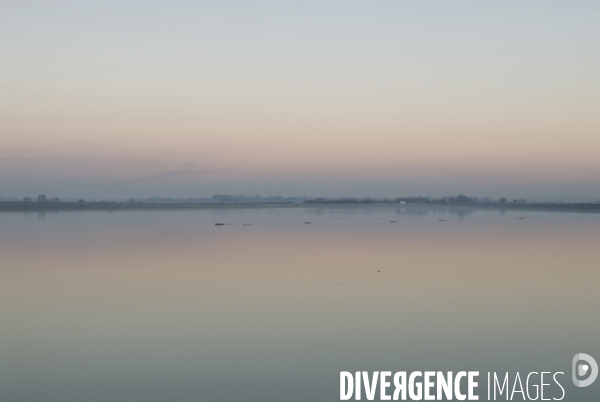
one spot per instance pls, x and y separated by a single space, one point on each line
166 306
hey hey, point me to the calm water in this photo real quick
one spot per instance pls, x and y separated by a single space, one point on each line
166 306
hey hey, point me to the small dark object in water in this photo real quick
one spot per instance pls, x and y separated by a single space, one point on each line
392 221
523 217
247 224
219 224
441 220
306 223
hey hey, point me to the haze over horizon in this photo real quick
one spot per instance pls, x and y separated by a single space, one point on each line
118 99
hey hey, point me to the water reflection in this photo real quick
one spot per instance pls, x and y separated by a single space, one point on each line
163 305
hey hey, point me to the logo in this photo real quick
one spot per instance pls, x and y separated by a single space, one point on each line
581 369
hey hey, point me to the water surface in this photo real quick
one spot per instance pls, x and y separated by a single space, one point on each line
166 306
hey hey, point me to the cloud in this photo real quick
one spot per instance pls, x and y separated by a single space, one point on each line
189 170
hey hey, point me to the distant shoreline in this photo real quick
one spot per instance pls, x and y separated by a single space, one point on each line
21 206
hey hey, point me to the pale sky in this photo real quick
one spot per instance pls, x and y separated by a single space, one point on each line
115 99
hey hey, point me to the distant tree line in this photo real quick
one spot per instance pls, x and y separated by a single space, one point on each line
347 200
458 199
42 198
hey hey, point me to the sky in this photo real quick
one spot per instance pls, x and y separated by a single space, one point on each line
118 99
